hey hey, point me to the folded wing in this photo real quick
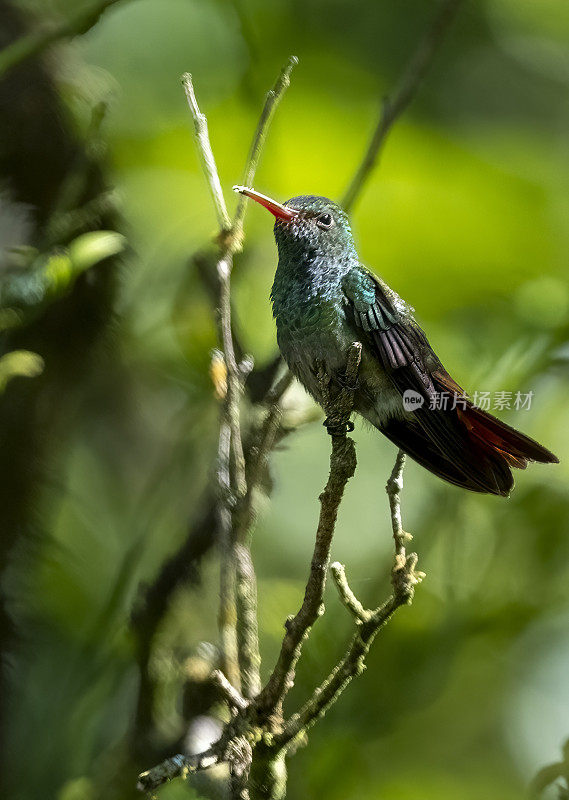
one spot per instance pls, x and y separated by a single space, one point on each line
463 445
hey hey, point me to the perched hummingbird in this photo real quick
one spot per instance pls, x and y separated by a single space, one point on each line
324 299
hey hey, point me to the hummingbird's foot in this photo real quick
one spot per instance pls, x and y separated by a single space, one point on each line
346 383
338 429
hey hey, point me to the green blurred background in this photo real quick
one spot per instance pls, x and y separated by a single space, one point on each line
466 694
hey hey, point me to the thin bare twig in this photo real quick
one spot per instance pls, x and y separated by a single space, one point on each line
245 580
347 596
234 376
234 699
393 489
206 154
231 461
176 767
400 537
393 107
273 99
32 44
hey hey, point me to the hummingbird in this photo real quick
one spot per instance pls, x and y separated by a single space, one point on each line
324 299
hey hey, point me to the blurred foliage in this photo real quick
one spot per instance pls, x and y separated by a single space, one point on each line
467 217
19 362
45 278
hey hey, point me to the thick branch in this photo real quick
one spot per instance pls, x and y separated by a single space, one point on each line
393 107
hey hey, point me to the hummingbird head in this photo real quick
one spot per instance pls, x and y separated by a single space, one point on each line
308 224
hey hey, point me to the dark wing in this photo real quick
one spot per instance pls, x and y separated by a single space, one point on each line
400 344
462 445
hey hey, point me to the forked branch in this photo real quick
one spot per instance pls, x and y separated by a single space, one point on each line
368 621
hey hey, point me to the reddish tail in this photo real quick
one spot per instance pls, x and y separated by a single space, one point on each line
516 448
466 446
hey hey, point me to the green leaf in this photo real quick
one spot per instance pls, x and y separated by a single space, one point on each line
88 249
19 363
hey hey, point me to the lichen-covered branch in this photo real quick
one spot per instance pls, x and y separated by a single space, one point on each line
227 615
342 467
249 658
394 106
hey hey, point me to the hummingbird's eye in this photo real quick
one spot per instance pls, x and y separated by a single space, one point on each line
324 221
